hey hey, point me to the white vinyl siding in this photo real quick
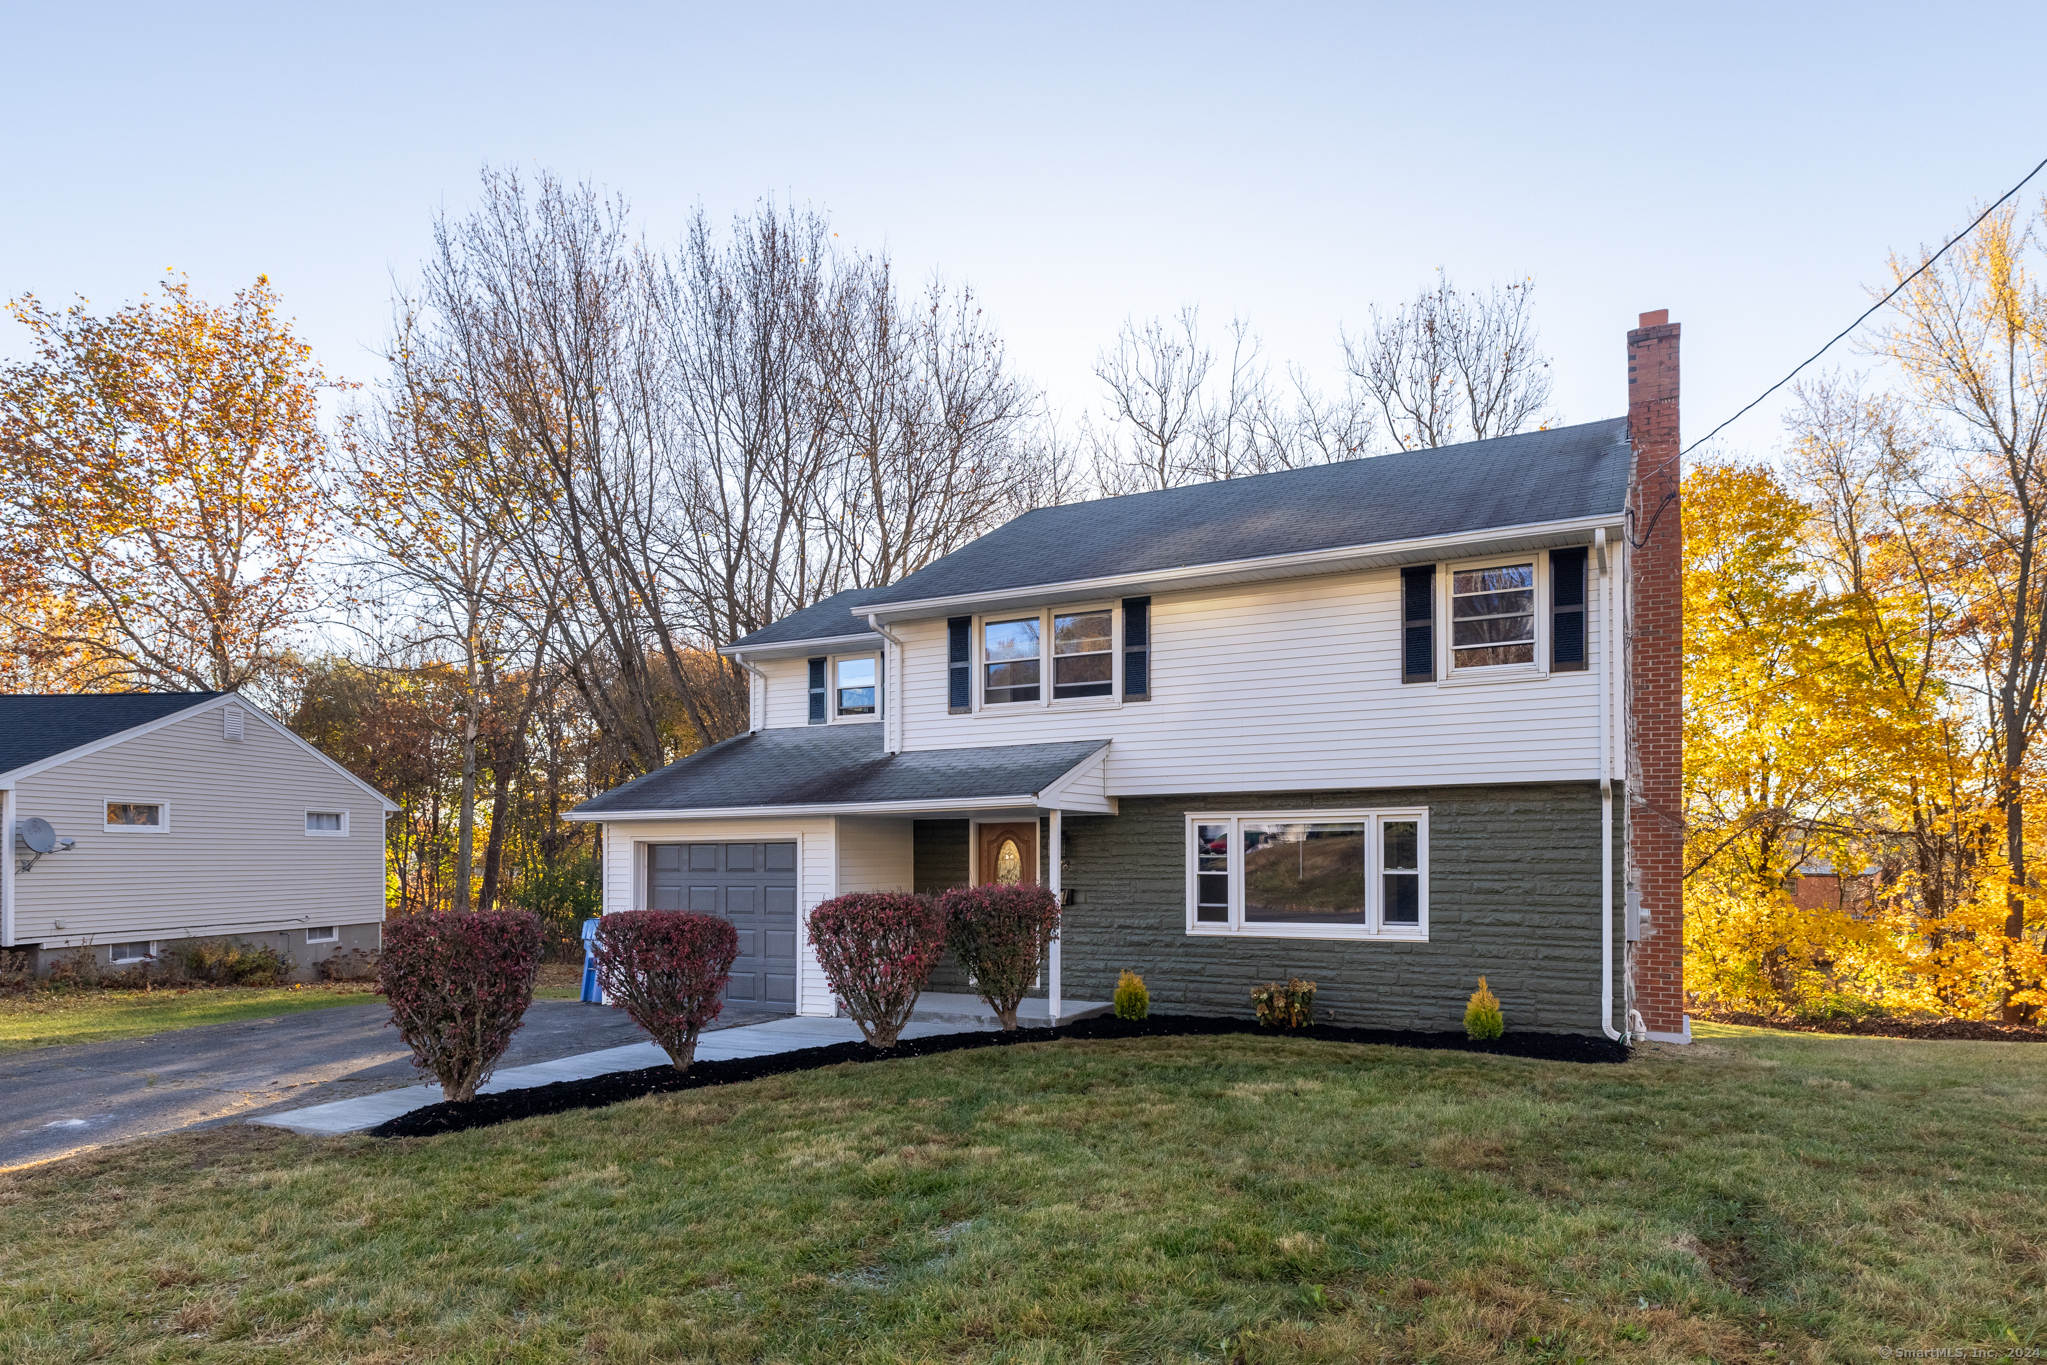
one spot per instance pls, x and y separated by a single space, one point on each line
625 874
1289 686
233 857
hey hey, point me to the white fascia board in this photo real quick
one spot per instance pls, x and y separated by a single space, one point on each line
225 699
797 649
1339 559
1023 802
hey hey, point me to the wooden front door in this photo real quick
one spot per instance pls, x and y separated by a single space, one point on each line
1007 854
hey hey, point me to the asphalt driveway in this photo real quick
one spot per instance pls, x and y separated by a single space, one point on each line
64 1100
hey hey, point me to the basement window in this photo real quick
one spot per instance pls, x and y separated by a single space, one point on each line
325 934
122 953
1334 874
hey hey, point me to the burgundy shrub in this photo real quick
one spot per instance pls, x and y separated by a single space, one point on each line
877 949
667 969
459 985
1000 934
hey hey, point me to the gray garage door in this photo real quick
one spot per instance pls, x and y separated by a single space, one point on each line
754 886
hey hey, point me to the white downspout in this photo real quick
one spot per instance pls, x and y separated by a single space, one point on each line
754 717
1052 972
891 735
1607 645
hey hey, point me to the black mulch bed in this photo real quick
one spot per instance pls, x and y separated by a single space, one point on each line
596 1091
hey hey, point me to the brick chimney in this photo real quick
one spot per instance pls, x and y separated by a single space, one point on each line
1655 685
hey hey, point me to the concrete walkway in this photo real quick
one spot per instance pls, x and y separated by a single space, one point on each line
936 1013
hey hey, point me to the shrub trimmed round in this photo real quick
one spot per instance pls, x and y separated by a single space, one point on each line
667 969
459 985
1001 934
877 949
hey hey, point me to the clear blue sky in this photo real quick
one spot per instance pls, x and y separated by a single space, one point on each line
1748 168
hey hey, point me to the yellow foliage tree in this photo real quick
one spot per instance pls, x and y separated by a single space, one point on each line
159 479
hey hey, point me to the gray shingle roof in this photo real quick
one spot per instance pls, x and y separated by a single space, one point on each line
829 765
1538 476
36 726
827 618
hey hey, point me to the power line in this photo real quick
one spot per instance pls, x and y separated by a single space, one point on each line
1923 268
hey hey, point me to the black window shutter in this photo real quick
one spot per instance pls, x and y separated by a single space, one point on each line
1137 649
1567 610
1418 624
959 664
817 711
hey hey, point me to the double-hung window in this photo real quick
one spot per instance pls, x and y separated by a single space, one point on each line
1309 874
854 686
1492 615
1050 656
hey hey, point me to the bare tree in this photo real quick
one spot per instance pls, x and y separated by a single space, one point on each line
1453 366
1176 416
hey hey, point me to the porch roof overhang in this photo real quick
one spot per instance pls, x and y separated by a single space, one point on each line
841 770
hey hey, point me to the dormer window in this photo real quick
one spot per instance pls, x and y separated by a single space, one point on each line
854 686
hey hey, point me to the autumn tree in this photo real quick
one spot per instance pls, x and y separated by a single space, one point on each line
161 485
1969 333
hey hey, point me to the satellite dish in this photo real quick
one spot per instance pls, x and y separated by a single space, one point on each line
36 835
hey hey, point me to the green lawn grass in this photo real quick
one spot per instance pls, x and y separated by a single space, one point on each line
1756 1197
49 1019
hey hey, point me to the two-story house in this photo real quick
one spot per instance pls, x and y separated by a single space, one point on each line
1388 725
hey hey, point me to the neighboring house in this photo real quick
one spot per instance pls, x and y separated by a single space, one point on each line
1364 723
177 816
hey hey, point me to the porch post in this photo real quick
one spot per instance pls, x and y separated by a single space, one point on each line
1052 866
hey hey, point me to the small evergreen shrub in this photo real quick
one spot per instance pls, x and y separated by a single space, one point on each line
667 969
1482 1019
1133 1001
1000 934
459 985
877 949
1285 1006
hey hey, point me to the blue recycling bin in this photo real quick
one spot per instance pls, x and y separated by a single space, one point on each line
593 994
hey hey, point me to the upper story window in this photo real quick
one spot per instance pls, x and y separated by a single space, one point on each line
1010 659
333 823
1492 615
130 815
1083 654
854 686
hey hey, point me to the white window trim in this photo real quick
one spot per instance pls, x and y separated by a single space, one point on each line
163 811
831 689
332 934
1451 676
1044 701
312 833
113 961
1373 930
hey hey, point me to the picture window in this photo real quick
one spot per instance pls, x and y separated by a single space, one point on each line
1311 874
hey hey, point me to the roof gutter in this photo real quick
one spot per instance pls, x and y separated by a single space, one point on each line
1334 559
1020 801
792 648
